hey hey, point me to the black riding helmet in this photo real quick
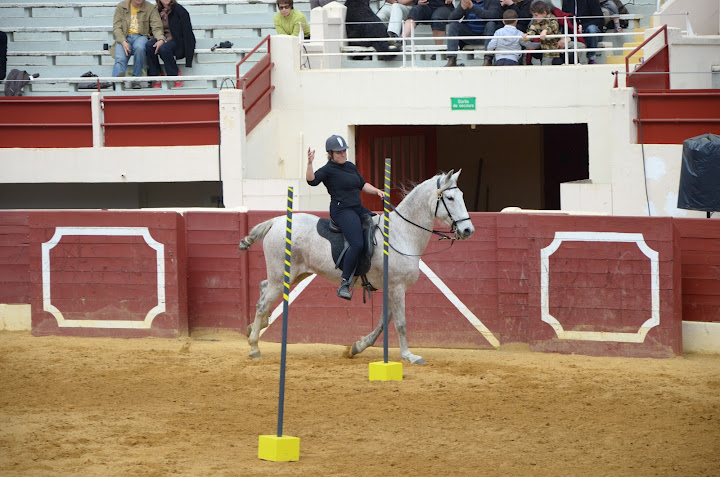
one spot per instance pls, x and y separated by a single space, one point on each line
335 143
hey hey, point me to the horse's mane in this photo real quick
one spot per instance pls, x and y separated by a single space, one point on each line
407 187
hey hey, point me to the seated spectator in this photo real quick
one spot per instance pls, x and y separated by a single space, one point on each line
436 12
502 40
614 11
544 23
289 21
472 11
179 41
591 21
133 22
361 22
393 12
569 20
522 8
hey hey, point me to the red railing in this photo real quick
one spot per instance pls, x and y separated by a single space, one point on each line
643 77
45 121
257 87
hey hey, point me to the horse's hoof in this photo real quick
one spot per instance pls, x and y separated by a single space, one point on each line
349 352
256 355
419 361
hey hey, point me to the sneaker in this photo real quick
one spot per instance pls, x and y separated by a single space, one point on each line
452 61
156 84
591 62
345 290
136 85
178 84
488 61
618 29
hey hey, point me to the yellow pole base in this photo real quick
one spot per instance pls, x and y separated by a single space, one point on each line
390 371
279 449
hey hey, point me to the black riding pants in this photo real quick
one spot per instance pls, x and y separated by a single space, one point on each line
349 221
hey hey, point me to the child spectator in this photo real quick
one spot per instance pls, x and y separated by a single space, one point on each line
544 23
502 40
611 7
288 21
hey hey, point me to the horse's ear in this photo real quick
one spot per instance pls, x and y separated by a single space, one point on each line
456 175
445 183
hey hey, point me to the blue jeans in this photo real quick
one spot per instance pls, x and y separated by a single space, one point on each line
167 53
137 49
591 41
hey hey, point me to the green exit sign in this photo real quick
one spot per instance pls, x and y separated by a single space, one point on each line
462 103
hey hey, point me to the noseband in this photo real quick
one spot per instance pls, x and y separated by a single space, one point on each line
441 198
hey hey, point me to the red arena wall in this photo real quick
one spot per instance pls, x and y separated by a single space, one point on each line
591 285
108 273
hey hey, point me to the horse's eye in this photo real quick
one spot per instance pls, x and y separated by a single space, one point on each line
451 198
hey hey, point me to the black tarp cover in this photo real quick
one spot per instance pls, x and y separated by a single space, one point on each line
700 174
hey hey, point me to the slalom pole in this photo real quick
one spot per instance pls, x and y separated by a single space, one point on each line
281 448
386 254
386 370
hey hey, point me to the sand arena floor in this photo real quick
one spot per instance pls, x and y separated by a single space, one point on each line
156 407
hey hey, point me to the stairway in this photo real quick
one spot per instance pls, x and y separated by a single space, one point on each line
618 57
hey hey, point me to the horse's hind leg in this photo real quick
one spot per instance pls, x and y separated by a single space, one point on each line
269 293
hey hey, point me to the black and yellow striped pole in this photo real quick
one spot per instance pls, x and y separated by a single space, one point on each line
387 370
281 448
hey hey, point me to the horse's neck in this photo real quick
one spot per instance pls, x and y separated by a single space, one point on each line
415 207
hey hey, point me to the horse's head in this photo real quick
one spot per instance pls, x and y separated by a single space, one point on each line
450 206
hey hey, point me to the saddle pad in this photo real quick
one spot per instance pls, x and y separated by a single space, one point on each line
337 244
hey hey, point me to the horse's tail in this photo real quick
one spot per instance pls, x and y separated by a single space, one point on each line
257 233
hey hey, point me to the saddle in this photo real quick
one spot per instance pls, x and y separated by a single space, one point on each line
330 231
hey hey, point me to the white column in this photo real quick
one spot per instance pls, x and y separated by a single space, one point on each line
233 146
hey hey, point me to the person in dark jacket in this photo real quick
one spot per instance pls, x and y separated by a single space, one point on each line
522 8
179 41
344 183
472 11
591 20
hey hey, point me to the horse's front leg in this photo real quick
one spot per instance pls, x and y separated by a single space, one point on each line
397 306
360 345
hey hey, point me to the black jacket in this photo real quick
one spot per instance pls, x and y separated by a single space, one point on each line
182 33
489 11
343 182
522 9
585 8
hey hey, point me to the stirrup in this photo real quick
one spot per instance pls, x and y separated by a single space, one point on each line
367 287
345 290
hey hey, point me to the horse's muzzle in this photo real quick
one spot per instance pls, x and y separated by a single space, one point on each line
463 233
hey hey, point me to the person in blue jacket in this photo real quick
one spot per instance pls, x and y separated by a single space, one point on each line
343 183
472 18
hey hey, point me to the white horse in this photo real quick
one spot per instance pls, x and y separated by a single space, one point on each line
410 230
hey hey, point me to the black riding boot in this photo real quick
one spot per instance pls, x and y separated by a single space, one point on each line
345 290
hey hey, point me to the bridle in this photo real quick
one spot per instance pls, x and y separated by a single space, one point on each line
441 198
441 233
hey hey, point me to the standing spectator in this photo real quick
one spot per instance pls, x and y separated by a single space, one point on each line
179 41
133 22
393 12
502 40
522 8
434 11
584 9
472 11
289 21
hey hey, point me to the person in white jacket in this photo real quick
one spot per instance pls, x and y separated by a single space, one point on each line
503 41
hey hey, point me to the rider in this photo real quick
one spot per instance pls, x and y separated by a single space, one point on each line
344 183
